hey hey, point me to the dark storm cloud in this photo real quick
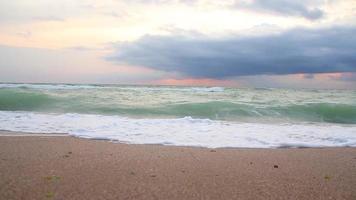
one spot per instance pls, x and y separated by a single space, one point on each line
295 51
302 8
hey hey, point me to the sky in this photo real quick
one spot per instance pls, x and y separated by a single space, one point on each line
232 43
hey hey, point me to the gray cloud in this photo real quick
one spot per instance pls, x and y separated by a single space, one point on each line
162 1
303 8
24 34
308 76
295 51
21 12
309 9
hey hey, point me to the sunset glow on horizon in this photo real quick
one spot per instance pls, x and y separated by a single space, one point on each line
232 43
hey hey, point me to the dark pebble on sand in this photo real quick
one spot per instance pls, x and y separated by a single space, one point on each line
153 176
212 150
275 166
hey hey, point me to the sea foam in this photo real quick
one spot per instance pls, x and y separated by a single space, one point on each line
182 131
122 87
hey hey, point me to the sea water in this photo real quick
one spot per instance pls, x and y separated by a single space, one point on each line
184 116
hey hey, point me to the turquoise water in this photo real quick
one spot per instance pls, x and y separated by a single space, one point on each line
183 116
246 105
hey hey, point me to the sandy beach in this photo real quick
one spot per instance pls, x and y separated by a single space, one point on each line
40 167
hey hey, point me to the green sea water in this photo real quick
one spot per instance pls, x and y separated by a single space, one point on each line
216 103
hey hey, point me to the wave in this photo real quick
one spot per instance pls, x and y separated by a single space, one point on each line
49 86
183 116
185 131
314 112
22 100
209 89
82 86
324 112
215 103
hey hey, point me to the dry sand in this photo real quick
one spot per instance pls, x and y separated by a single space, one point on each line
71 168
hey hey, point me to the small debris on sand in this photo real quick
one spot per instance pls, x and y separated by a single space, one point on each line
50 178
49 194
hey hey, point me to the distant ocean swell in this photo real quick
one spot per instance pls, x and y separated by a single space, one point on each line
184 116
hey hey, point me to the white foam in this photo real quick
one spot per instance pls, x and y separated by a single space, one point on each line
183 131
175 89
208 89
136 88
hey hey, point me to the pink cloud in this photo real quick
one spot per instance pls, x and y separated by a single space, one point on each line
197 82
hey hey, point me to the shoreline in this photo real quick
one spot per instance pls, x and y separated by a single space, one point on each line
5 133
27 134
75 168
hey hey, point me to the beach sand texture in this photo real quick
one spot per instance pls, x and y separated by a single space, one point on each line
72 168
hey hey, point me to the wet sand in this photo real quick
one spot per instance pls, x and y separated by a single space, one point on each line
70 168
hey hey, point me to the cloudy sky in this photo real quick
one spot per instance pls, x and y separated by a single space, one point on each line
239 43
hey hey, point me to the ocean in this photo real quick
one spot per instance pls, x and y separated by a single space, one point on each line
211 117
